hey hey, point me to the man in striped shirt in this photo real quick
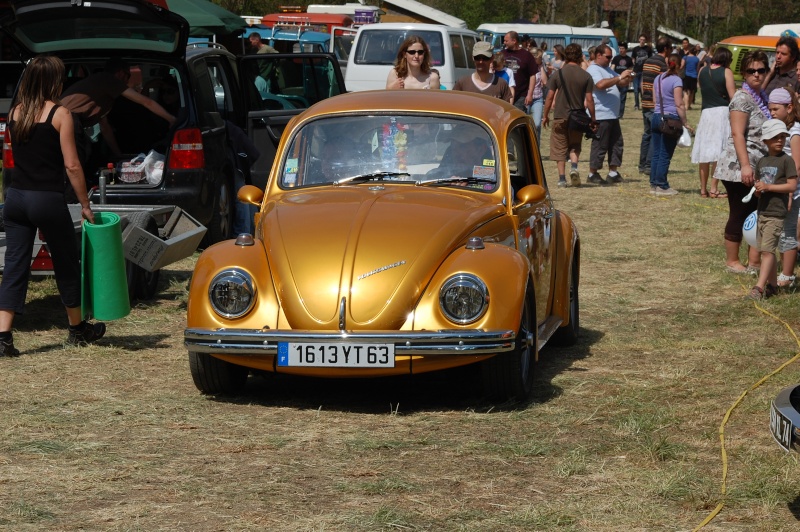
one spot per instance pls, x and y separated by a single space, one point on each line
651 68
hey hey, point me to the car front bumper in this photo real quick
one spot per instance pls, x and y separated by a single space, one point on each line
265 341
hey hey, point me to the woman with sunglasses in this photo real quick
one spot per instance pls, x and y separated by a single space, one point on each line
412 68
735 168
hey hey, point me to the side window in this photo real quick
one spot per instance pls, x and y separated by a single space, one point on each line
222 89
469 44
204 91
520 160
459 54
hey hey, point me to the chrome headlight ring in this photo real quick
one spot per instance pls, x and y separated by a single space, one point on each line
232 293
464 298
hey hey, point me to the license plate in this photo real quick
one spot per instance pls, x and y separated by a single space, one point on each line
339 355
781 428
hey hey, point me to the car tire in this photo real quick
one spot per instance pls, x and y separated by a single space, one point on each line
214 376
568 334
142 284
221 224
509 376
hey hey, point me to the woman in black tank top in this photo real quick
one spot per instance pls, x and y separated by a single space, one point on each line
43 148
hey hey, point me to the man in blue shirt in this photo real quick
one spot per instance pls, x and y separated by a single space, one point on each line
606 95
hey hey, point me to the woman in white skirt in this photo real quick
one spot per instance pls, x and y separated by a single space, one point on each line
716 89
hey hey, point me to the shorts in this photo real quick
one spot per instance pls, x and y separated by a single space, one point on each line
769 233
563 140
689 84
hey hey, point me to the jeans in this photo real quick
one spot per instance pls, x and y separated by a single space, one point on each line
646 149
637 85
623 96
243 217
537 106
663 148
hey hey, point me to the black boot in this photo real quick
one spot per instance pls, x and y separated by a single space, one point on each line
7 349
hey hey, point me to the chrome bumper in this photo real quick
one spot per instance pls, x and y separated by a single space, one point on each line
265 341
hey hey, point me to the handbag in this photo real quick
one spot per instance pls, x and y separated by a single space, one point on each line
671 127
577 119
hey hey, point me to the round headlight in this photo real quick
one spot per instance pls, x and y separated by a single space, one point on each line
232 293
463 299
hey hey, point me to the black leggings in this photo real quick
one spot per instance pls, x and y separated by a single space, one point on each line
738 211
23 213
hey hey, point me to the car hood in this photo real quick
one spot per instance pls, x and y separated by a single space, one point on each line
377 247
61 27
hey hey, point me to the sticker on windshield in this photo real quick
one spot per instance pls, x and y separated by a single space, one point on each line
291 166
483 172
488 162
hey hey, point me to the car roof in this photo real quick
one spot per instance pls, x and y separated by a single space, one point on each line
493 112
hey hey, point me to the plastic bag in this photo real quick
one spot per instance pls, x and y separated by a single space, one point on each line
153 167
685 140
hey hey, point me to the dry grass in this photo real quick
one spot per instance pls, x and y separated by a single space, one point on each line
622 434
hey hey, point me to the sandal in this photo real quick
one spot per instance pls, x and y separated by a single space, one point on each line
756 293
717 194
785 281
737 271
704 193
770 291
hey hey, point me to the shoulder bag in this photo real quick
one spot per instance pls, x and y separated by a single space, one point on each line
671 127
578 119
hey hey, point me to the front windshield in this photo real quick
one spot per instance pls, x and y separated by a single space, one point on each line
424 150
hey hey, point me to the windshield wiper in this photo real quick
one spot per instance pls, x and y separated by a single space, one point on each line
455 179
372 176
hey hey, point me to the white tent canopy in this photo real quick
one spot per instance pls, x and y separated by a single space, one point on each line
677 35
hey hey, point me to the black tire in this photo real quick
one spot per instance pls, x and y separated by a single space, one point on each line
214 376
142 284
221 224
568 334
509 376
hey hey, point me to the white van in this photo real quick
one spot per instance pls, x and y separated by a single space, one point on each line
589 37
375 49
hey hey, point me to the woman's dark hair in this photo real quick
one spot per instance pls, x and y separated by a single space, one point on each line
401 64
722 56
42 81
754 56
673 64
558 51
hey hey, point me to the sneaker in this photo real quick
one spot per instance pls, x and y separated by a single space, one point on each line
574 178
665 191
596 179
562 183
644 170
86 333
614 179
653 190
7 349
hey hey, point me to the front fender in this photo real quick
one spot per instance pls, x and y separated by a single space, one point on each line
504 270
225 256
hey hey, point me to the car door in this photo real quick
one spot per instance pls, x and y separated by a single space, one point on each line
535 222
275 88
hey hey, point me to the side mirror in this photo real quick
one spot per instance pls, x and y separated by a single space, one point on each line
530 194
250 194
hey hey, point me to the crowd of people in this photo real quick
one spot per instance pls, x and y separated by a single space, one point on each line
746 139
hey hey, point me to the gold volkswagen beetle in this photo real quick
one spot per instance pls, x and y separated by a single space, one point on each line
400 232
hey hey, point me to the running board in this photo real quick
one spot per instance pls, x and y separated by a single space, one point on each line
547 329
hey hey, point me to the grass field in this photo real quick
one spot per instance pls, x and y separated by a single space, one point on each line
623 432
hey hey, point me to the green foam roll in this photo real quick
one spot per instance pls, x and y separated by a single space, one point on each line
103 281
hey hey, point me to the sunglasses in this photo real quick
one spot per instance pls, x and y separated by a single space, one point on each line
608 56
480 58
752 71
415 52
